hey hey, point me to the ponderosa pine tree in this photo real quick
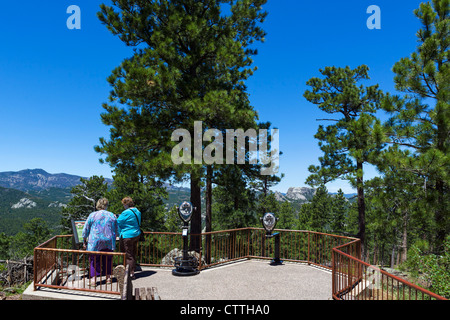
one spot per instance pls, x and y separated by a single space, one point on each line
148 197
420 124
339 212
190 63
84 200
354 138
36 231
234 202
239 188
317 214
397 207
321 210
286 214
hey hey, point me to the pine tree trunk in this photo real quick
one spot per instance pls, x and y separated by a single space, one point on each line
375 249
393 256
196 221
404 248
361 210
441 223
209 173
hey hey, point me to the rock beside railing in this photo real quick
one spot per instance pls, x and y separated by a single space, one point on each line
169 259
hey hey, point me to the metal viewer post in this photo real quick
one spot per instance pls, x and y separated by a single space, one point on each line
185 265
269 222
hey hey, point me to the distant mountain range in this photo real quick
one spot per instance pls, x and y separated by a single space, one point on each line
33 193
37 180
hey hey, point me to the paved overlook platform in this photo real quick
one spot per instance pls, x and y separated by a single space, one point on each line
244 280
241 280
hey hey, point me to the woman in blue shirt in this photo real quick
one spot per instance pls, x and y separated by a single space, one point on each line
129 223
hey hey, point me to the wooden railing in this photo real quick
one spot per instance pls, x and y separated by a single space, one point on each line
228 245
58 266
354 279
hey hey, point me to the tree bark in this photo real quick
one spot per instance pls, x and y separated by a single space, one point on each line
209 174
361 209
441 223
404 246
196 220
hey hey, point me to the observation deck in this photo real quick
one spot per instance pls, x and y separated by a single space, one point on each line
241 280
233 264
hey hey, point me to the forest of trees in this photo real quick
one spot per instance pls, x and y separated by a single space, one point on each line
191 63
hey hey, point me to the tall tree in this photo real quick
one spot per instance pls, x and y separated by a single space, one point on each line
148 196
339 213
321 210
286 213
36 231
85 197
241 190
317 214
393 200
420 124
354 137
5 242
190 63
234 202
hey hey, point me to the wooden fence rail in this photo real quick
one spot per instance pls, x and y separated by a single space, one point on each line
16 272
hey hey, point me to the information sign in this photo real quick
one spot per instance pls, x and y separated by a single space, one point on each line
77 227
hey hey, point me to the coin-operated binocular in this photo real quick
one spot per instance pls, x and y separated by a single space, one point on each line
185 265
269 221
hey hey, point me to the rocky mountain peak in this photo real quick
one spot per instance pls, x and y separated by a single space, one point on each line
296 194
36 179
24 203
300 193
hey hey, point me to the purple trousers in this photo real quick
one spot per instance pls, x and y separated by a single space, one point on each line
100 265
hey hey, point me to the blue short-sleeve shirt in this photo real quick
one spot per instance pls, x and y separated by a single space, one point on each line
128 224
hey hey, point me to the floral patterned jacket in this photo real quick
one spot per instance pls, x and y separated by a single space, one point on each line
101 230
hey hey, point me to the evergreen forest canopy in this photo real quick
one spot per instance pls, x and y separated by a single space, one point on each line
190 64
191 60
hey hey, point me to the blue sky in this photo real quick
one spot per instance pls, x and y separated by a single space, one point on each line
53 80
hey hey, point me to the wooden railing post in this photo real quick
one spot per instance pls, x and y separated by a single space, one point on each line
308 246
333 273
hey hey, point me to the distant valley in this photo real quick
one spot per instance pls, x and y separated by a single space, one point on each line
35 193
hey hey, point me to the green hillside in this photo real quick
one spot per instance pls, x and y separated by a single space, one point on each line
13 213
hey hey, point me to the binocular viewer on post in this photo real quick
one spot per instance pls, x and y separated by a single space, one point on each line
185 265
269 221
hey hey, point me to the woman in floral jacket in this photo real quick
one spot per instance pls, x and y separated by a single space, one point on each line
100 232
